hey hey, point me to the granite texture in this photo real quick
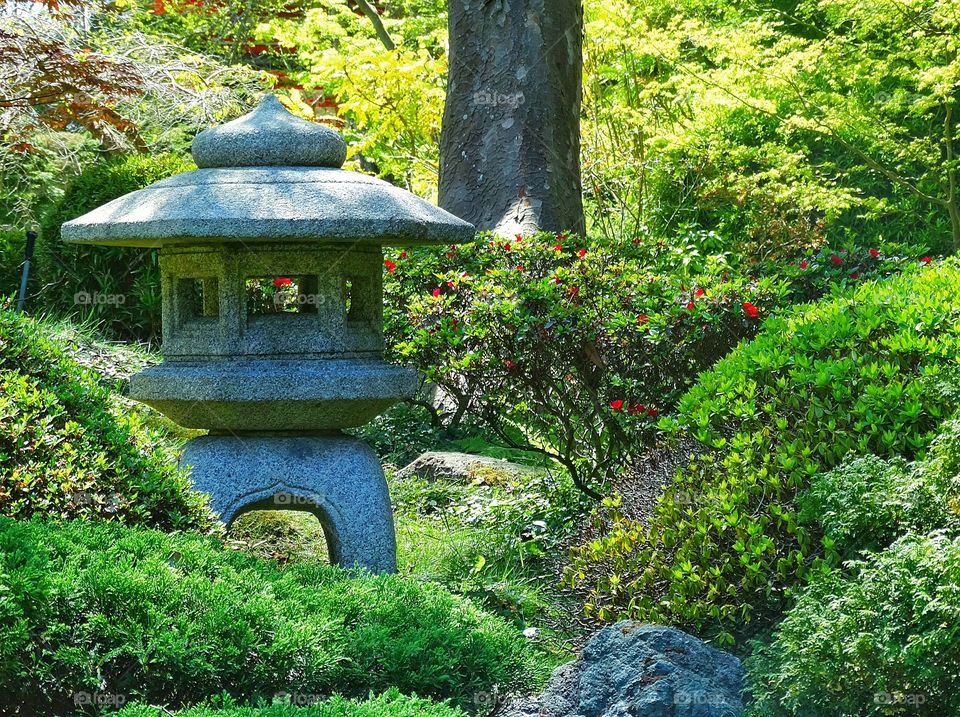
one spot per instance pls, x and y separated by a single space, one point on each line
270 136
335 477
273 394
323 325
633 669
268 205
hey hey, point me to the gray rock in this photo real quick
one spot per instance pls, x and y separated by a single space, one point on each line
464 467
270 136
636 670
335 477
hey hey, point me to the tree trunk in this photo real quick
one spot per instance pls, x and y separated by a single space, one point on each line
510 145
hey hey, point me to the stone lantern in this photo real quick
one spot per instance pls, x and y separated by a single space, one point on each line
271 266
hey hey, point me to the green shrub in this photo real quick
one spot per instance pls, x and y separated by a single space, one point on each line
175 620
119 286
390 704
881 639
67 449
867 503
848 376
567 346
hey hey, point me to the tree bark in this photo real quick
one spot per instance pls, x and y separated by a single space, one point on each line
510 143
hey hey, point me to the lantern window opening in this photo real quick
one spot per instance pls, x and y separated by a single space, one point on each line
282 295
198 299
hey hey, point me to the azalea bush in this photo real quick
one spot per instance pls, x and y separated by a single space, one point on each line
69 450
566 346
725 543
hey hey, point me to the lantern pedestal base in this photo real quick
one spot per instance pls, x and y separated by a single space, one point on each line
333 476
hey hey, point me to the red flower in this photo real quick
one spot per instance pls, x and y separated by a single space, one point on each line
519 237
582 253
561 237
556 280
926 260
450 284
652 412
465 275
282 281
506 247
854 274
836 260
510 365
804 265
573 290
637 408
391 267
874 253
616 405
403 255
642 319
698 292
436 293
750 310
558 247
690 306
636 241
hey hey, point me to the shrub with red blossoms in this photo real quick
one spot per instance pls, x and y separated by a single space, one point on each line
569 356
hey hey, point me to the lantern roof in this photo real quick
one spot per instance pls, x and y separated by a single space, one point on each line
268 177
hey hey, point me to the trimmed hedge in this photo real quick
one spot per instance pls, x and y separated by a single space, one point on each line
68 450
852 375
177 620
389 704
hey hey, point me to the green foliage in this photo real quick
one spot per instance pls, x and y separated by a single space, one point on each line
849 376
566 346
866 503
116 285
781 126
176 620
67 449
389 704
881 633
880 638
